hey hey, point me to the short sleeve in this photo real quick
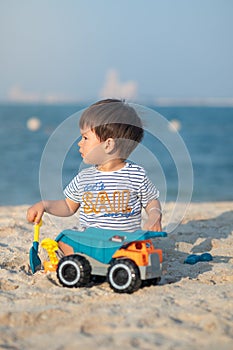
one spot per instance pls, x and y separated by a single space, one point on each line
72 190
147 191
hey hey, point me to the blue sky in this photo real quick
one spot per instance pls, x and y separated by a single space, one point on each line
54 50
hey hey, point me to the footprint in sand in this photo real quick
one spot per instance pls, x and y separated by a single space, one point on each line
6 285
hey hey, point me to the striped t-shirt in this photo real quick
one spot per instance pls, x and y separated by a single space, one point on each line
112 200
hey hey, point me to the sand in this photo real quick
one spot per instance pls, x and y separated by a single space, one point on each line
191 308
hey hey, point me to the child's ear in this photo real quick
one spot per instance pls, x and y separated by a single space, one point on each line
109 145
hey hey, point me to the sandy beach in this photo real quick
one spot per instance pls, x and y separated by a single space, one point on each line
191 308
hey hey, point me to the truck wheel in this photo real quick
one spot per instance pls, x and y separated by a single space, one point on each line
73 271
123 276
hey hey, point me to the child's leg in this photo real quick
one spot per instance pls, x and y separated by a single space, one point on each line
65 248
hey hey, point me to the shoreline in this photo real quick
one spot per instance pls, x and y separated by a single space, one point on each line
189 308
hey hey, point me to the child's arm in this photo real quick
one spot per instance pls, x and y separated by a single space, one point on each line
64 207
153 210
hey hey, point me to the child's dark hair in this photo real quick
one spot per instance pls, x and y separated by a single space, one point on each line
113 118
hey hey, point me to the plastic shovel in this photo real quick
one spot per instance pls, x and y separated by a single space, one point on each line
35 262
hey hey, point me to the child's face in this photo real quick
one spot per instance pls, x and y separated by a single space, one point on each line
91 148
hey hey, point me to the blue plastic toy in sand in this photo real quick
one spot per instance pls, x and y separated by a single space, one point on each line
102 244
194 258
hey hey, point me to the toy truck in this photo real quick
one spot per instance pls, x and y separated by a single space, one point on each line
127 259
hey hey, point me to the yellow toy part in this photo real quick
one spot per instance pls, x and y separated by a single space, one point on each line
37 231
50 246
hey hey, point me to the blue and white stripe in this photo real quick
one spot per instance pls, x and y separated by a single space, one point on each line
131 178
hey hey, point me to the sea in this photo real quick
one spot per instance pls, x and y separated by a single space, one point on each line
194 155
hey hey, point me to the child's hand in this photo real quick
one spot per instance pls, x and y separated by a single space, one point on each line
35 213
153 224
154 213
